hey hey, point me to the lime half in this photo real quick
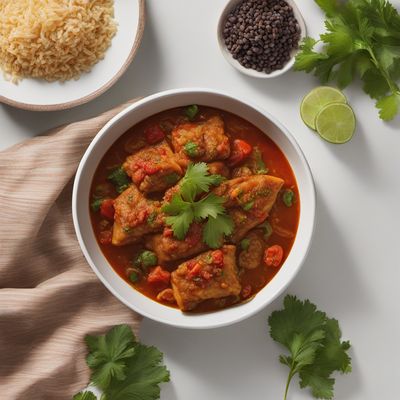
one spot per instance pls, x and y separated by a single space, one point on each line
336 123
316 100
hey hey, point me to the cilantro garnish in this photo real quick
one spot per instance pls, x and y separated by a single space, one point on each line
123 368
191 149
119 179
198 180
183 209
191 111
261 167
96 204
314 343
362 38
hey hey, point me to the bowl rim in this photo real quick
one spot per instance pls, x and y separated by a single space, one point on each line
249 71
311 207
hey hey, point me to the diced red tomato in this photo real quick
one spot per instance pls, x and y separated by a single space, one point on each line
240 151
154 134
246 291
138 176
105 237
273 256
206 275
218 257
159 278
107 209
168 232
142 215
195 270
151 169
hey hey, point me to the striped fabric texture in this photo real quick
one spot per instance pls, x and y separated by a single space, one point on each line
49 297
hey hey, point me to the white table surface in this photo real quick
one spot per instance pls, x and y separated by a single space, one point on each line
353 269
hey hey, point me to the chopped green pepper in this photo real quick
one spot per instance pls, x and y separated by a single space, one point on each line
248 206
261 168
266 226
119 179
145 259
288 197
191 111
191 149
151 218
134 277
208 259
244 244
96 204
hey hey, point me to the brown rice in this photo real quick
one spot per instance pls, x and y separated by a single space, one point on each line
54 39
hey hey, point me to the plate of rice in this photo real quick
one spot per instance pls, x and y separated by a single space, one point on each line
58 54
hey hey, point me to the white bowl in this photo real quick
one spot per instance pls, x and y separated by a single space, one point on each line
150 106
248 71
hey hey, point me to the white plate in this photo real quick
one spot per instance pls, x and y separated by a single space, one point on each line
152 105
38 95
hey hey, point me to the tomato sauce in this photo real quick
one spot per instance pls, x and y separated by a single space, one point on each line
284 220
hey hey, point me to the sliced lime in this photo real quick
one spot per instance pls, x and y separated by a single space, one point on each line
317 99
336 123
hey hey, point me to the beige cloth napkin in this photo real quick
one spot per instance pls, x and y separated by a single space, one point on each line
49 296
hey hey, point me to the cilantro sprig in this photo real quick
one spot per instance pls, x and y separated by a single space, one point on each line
184 209
363 37
314 343
123 368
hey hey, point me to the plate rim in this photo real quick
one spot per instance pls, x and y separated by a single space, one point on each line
91 96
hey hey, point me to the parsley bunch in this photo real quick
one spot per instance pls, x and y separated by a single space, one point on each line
123 368
314 343
184 209
363 37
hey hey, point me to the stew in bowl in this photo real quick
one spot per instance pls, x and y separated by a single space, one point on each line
195 206
146 172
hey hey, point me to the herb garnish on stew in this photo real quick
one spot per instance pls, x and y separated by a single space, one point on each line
184 209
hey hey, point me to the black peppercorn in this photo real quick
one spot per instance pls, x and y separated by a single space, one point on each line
261 34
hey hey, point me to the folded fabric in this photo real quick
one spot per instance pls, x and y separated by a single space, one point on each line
49 297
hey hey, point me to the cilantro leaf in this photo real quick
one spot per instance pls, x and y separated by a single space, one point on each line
389 106
297 316
216 228
328 6
123 368
374 83
209 206
108 354
86 395
330 357
119 179
362 38
183 209
181 216
307 59
314 343
144 374
197 180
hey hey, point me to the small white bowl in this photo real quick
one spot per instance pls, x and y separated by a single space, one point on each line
248 71
150 106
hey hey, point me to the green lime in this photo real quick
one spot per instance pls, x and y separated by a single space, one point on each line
317 99
336 123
